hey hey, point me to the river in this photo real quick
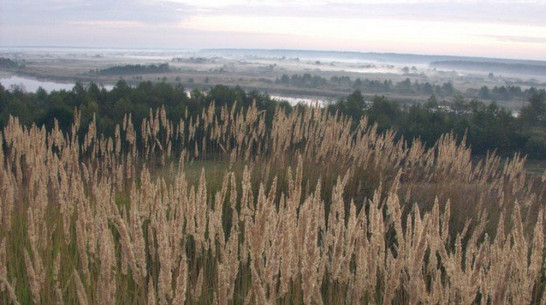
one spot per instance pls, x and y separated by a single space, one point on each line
31 85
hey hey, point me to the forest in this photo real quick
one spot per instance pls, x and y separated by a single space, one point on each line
486 127
407 87
133 69
6 63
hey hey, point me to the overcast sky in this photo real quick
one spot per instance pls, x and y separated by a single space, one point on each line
510 29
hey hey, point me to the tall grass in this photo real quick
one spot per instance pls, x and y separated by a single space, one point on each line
221 208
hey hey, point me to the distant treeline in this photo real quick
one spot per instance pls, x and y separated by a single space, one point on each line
406 87
198 60
6 63
373 86
497 67
505 93
486 127
306 80
110 106
134 69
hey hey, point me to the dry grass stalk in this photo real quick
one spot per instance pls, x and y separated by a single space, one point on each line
80 289
9 288
316 209
33 279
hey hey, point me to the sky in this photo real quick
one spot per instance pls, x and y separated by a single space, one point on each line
488 28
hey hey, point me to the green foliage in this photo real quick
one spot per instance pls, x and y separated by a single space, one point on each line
111 106
135 69
353 105
6 63
486 127
534 114
406 87
536 144
386 113
305 81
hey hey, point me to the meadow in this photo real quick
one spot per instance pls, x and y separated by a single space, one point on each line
226 207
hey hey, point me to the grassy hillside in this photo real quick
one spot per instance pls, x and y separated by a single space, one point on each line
218 208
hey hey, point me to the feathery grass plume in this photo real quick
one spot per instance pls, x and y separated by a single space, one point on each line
90 137
106 286
523 274
215 227
151 292
57 286
6 286
8 187
2 157
414 255
82 246
33 279
201 211
165 260
360 283
258 286
288 243
376 253
338 242
3 260
198 285
264 244
537 262
289 207
181 282
59 295
228 266
80 289
311 256
137 238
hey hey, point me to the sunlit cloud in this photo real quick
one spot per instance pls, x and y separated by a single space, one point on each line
364 30
468 27
521 39
106 23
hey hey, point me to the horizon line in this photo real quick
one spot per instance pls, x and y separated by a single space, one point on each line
272 50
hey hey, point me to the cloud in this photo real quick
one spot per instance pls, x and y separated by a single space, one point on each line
386 25
520 39
24 12
506 12
45 12
107 23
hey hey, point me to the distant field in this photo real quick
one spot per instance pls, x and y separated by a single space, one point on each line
260 70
